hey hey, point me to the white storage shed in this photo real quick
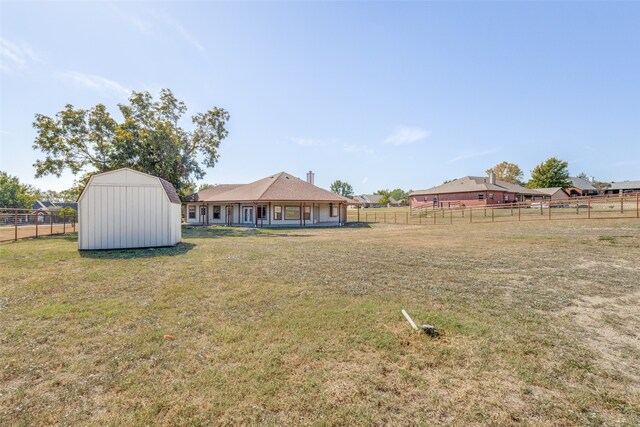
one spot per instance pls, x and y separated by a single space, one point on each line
128 209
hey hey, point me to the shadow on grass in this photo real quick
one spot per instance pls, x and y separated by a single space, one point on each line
180 249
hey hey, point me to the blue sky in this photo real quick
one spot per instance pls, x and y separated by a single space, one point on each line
381 95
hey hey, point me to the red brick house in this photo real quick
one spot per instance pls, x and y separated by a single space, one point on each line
472 191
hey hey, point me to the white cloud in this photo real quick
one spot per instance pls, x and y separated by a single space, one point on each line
98 83
354 148
312 142
181 30
407 135
144 27
15 56
471 154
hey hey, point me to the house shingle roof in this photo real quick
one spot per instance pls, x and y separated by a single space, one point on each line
279 187
550 191
624 185
476 183
582 184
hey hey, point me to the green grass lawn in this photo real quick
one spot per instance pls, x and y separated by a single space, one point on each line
538 326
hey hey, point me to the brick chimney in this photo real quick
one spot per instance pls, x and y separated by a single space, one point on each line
492 178
310 177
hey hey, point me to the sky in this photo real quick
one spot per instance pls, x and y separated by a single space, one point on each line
378 94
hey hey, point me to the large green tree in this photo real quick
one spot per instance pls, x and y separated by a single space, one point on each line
342 188
550 173
508 172
14 194
149 138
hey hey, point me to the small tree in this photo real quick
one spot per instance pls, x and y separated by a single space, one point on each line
14 194
386 196
550 173
508 172
342 188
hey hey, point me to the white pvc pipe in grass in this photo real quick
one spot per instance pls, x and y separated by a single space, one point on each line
409 319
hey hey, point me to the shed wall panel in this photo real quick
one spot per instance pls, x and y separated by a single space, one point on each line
127 209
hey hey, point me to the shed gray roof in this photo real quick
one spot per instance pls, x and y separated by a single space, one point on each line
476 183
170 190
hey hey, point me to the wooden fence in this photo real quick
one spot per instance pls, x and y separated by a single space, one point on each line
595 207
26 223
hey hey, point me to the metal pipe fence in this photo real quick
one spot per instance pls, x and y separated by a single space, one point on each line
593 207
26 223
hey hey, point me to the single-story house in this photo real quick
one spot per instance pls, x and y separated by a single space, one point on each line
277 200
473 191
45 208
555 193
581 187
125 208
373 201
622 187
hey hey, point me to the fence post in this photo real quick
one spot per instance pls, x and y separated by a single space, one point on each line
519 207
549 208
51 224
637 206
622 204
541 203
407 218
64 223
75 219
37 219
395 217
589 207
15 223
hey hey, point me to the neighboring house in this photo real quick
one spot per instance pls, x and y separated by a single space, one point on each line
128 209
555 193
277 200
581 187
45 208
622 187
373 201
473 191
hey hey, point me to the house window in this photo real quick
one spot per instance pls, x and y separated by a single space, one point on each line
307 213
192 212
506 197
203 211
491 196
292 212
480 196
277 212
215 212
333 210
261 212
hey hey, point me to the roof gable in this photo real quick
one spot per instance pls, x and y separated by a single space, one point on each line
278 187
469 184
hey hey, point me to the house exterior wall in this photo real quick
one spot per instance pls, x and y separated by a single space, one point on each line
467 199
320 213
125 209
